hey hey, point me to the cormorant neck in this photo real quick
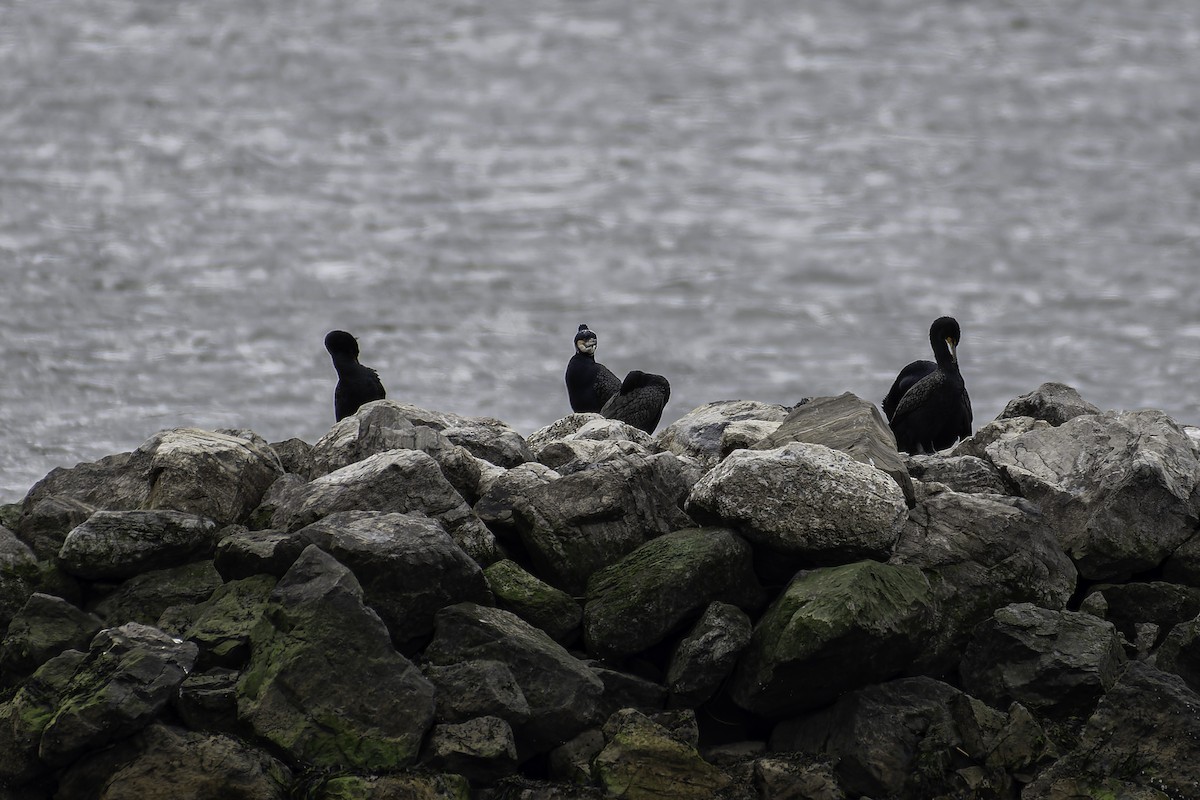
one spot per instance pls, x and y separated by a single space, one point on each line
941 352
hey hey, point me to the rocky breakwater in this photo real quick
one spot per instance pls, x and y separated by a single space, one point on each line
761 602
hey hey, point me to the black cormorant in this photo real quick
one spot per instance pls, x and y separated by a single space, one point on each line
589 384
356 384
641 400
935 411
904 381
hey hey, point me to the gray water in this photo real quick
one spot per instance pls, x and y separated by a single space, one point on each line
758 199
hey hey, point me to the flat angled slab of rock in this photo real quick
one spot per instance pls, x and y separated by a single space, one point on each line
44 627
849 424
643 761
324 682
1055 403
114 545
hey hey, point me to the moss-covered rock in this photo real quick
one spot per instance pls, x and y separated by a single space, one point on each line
533 600
418 786
642 761
222 624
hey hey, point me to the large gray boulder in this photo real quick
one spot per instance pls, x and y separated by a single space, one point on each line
1121 490
1143 741
128 677
114 545
393 481
484 437
665 583
705 658
803 499
324 683
849 424
45 522
714 430
501 496
168 763
407 565
833 630
44 627
583 522
562 693
215 475
982 552
1056 663
1055 403
967 474
470 689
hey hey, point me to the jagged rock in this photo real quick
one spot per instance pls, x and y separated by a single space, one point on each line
625 690
382 426
207 701
794 778
481 749
908 739
558 430
167 763
471 689
664 583
118 482
491 440
850 425
643 761
129 675
215 475
243 553
222 624
580 523
563 694
1180 652
704 433
324 683
575 455
146 597
708 654
495 507
536 602
399 481
1055 403
1057 663
531 789
997 431
1143 737
985 552
803 499
18 575
295 456
288 491
832 630
1119 489
44 627
47 521
415 786
572 762
966 474
407 565
24 718
115 545
1183 565
1163 604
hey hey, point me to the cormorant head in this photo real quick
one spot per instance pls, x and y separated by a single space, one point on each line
585 341
340 343
945 329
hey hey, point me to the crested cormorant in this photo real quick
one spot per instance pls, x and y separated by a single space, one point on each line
935 411
356 384
589 384
641 400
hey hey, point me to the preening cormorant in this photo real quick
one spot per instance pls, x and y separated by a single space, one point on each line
356 384
589 384
935 411
640 401
904 381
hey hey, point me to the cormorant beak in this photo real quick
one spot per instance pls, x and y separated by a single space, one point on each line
952 345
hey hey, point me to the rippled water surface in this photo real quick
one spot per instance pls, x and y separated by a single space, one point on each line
759 199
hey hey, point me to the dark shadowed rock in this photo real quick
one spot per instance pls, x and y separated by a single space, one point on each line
1119 489
44 627
168 763
45 523
708 654
833 630
1143 737
985 552
794 777
1159 603
803 499
146 597
114 545
222 624
580 523
626 690
26 715
849 424
664 584
295 456
324 683
398 481
1055 403
414 786
129 675
481 749
563 694
536 602
1056 663
242 553
909 739
713 431
18 575
643 761
472 689
207 701
1180 652
407 565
